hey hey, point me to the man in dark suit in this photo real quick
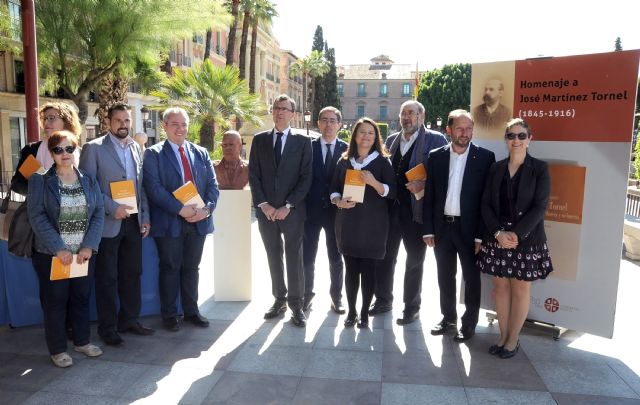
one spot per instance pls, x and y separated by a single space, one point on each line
112 158
409 148
453 224
179 230
321 214
280 176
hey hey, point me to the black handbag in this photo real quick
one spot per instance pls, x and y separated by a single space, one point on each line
20 237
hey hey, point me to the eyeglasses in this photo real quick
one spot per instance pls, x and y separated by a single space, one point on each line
51 118
58 150
521 136
281 109
329 120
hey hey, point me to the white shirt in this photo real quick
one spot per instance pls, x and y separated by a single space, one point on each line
323 148
406 144
285 133
457 163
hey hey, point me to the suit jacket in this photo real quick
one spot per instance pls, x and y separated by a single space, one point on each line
43 209
474 177
287 183
162 176
426 141
100 159
317 199
531 204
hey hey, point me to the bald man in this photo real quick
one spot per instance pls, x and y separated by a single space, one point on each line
231 171
492 114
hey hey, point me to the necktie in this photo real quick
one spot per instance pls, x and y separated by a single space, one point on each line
185 165
328 157
278 148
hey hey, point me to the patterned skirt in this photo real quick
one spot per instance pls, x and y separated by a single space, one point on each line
523 263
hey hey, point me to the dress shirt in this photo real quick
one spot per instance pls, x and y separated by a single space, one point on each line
323 148
187 152
123 149
457 164
405 144
285 133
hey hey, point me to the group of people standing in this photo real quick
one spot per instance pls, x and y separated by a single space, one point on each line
75 218
487 215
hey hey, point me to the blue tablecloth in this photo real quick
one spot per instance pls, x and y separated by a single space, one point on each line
19 300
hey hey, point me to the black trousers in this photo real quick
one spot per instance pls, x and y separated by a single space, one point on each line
178 270
402 228
450 244
359 269
118 271
272 233
312 228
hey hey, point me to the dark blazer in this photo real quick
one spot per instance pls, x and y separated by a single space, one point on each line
18 183
317 200
531 204
162 176
476 170
43 208
287 183
100 159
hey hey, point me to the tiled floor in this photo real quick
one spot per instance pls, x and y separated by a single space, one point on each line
242 359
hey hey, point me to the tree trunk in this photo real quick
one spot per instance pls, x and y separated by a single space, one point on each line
231 44
252 60
207 45
304 92
207 134
113 89
243 43
80 99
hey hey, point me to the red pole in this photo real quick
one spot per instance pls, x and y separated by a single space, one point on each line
30 69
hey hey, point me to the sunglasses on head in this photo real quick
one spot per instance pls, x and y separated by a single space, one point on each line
521 136
58 149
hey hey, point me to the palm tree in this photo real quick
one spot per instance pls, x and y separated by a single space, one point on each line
211 95
247 6
231 43
263 11
314 65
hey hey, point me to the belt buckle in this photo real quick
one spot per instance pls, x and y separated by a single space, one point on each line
450 218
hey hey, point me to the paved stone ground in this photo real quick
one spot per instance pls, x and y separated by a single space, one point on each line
242 359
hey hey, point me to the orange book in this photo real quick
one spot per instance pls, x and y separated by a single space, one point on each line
188 194
354 186
124 192
417 173
61 272
30 166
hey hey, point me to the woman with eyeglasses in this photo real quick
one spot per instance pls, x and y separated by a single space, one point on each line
54 116
514 249
66 213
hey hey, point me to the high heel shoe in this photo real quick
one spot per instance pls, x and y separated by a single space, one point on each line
507 354
351 320
495 349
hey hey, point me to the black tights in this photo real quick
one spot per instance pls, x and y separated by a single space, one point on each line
358 268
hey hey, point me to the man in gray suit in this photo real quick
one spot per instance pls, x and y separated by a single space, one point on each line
111 158
280 175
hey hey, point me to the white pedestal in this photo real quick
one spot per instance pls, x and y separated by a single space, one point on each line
232 246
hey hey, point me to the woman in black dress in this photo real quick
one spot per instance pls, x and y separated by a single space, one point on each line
514 250
361 228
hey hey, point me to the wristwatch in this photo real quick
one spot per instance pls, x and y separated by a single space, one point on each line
289 206
208 211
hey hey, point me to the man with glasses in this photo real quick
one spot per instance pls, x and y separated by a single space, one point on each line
113 158
452 221
408 148
321 214
280 176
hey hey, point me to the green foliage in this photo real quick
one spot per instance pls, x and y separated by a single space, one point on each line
325 86
345 135
384 129
211 95
636 161
618 44
7 30
312 66
446 89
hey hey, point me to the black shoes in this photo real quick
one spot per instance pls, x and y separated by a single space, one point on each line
306 304
443 327
337 307
408 316
465 333
197 320
495 349
351 320
171 324
298 318
507 354
379 308
276 309
137 329
364 323
112 339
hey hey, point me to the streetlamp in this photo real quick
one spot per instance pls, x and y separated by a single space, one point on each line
307 119
145 112
429 125
439 123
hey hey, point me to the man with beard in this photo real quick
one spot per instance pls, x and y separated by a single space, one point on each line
408 148
452 222
492 114
115 157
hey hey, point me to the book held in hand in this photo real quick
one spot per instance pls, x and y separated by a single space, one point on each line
417 173
30 166
354 186
124 192
61 272
188 195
